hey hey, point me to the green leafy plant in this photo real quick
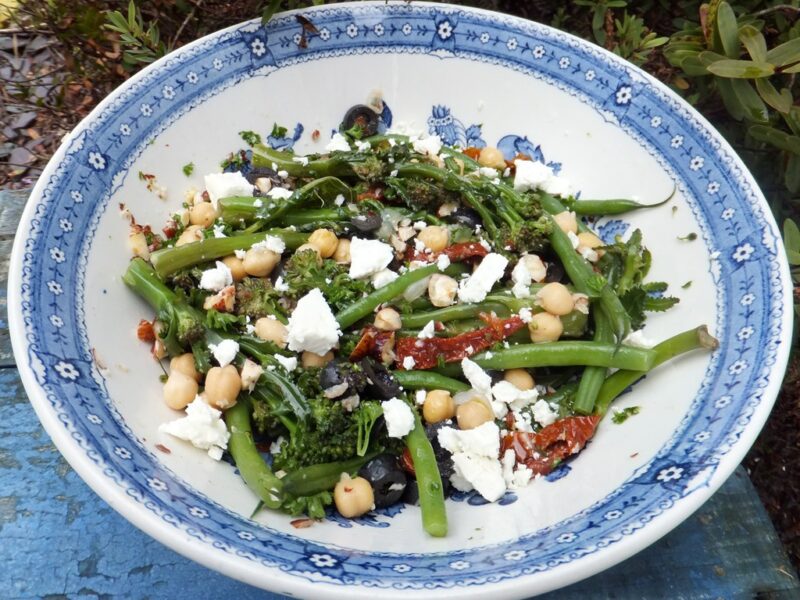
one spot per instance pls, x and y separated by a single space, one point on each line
791 240
600 9
142 43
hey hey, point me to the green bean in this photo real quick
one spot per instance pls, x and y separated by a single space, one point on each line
428 380
562 354
429 480
615 384
361 308
255 472
610 206
322 477
169 260
265 157
451 313
593 377
583 276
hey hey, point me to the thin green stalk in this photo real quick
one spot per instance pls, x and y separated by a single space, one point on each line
593 377
693 339
428 380
429 480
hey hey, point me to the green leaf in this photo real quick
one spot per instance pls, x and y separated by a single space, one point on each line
791 236
775 137
741 69
693 66
728 30
793 69
792 119
786 53
780 101
755 43
707 57
730 99
754 107
132 15
791 176
270 10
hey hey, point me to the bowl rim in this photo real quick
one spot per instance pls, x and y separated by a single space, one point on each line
242 569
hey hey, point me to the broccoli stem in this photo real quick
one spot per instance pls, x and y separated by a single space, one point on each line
255 472
563 354
141 278
322 477
692 339
278 160
361 308
170 260
428 380
429 480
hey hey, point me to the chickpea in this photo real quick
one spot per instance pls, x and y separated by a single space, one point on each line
442 290
309 359
189 235
342 254
259 262
272 330
179 390
263 184
184 364
556 299
545 327
353 496
223 384
434 237
202 214
491 157
325 241
519 378
566 221
438 406
472 414
236 265
586 239
388 319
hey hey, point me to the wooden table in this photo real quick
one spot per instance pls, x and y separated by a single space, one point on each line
59 540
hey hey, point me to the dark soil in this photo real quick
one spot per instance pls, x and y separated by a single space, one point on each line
57 63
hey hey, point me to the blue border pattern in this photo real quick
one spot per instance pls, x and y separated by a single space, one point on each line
747 268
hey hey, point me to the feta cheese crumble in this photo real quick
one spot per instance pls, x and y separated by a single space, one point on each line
474 453
409 363
338 143
429 146
442 261
479 379
383 277
427 332
530 175
312 326
477 285
225 185
279 193
217 278
638 339
367 257
202 427
224 352
271 242
544 413
398 416
287 362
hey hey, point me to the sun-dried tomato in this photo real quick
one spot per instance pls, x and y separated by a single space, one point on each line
473 152
541 452
145 331
427 352
375 343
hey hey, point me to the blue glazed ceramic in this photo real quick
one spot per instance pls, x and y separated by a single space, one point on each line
474 78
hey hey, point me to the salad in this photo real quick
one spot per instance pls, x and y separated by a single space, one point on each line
392 320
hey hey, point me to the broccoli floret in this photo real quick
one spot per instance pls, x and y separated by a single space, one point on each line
370 169
304 272
528 236
256 298
418 194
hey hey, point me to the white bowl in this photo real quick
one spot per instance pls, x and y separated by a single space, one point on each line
472 77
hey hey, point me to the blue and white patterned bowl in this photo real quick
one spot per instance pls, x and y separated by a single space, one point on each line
473 77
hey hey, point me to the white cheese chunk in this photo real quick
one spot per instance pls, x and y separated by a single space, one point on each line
480 283
442 261
338 143
430 146
224 352
312 326
479 379
530 175
428 331
483 440
638 339
399 418
558 186
271 242
544 413
217 278
409 363
367 257
251 371
202 427
279 193
515 398
383 277
484 474
225 185
288 362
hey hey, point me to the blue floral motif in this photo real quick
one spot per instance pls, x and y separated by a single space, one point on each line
285 142
558 473
609 230
512 145
473 498
371 519
747 266
452 131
